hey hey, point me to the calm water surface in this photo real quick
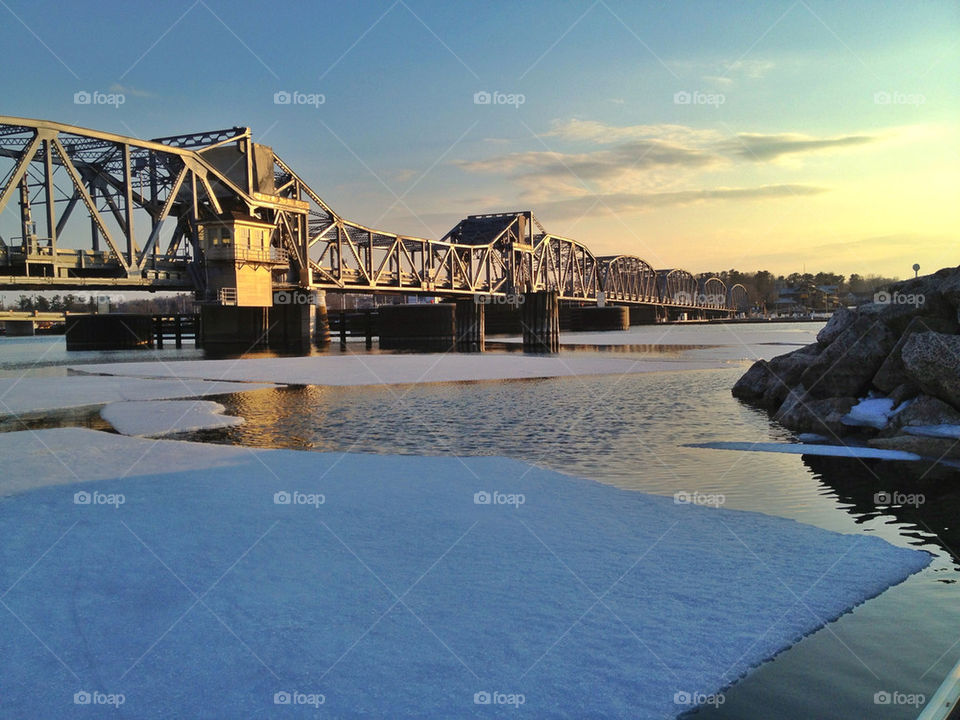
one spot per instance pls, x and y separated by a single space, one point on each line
631 432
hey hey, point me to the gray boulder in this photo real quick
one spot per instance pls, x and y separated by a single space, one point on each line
767 382
846 367
753 383
928 447
895 312
785 372
940 292
838 322
892 373
903 392
926 410
804 413
932 362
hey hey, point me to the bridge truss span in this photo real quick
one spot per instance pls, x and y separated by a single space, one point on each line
216 213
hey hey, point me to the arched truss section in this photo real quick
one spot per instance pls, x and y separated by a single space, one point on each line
566 266
628 278
739 299
677 287
713 293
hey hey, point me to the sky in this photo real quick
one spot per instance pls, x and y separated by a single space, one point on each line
786 136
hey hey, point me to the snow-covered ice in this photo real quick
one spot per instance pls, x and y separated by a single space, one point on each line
811 449
152 418
874 412
20 395
391 369
216 581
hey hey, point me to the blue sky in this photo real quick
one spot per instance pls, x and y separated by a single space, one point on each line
817 134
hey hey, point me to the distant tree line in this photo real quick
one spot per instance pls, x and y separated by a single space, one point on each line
763 285
157 305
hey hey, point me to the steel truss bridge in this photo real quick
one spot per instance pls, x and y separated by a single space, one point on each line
143 209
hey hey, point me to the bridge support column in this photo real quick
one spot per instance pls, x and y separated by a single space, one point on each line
643 315
20 328
470 325
292 321
321 329
541 322
115 331
429 328
611 317
231 329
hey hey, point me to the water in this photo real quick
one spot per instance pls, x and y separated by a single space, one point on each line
630 431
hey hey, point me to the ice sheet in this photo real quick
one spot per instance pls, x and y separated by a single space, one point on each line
153 418
36 394
392 369
218 581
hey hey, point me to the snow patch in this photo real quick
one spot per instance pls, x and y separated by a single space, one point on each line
874 412
388 586
36 394
165 417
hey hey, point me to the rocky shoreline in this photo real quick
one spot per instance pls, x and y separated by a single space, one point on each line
886 374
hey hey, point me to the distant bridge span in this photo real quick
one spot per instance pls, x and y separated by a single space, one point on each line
220 215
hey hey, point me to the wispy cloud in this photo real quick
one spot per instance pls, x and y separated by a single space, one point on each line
637 167
755 146
130 90
633 202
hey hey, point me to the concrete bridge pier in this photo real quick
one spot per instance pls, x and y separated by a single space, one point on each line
470 318
232 329
292 321
611 317
541 322
114 331
20 328
643 315
423 327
